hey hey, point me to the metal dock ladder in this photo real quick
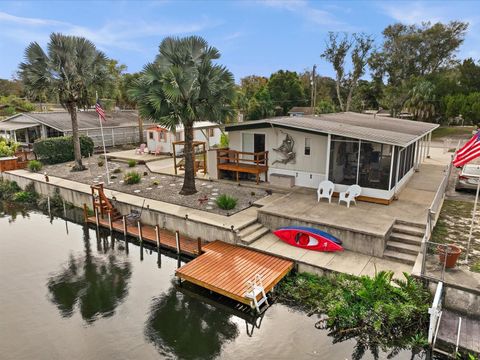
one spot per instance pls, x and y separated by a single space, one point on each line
256 288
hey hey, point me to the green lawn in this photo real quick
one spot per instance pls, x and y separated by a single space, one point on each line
445 131
453 227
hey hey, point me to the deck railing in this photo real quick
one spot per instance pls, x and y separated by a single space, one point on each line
242 157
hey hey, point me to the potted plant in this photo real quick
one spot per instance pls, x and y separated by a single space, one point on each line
451 251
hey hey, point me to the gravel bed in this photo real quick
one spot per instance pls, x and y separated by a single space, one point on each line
159 186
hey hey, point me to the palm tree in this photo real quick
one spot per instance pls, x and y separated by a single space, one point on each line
421 101
183 86
71 69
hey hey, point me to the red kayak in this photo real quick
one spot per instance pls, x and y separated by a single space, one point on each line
309 238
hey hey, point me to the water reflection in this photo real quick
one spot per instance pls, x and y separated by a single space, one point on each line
187 328
12 210
95 283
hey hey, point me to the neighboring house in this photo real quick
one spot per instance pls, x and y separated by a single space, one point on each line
120 127
160 139
301 111
378 153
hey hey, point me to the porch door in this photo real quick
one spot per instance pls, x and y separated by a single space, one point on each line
252 143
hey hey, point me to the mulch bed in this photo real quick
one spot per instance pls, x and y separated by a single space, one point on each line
161 187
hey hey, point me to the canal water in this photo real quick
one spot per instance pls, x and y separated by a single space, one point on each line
68 292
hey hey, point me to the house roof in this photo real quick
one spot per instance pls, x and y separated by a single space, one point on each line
383 130
60 120
305 110
14 125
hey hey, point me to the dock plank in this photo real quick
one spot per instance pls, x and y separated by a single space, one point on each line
469 331
226 268
188 246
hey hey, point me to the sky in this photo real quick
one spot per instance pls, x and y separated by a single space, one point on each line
254 37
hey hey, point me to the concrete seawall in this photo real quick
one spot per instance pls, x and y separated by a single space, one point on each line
125 203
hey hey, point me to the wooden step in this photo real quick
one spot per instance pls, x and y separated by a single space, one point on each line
412 224
400 257
406 239
249 229
403 248
410 230
255 235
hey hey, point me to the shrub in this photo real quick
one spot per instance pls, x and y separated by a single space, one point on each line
155 183
132 177
34 165
100 163
131 163
113 176
60 149
7 147
24 197
226 202
117 171
8 189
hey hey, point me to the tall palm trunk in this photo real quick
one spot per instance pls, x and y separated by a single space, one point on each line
76 138
189 176
140 129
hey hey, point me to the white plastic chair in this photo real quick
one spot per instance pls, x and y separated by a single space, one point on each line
348 196
325 190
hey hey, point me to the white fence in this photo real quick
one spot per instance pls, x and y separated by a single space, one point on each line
114 136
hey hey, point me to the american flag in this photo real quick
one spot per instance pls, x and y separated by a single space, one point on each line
468 152
100 111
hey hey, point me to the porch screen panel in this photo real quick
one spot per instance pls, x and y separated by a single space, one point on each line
375 161
343 160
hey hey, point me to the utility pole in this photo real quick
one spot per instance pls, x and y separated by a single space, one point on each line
313 84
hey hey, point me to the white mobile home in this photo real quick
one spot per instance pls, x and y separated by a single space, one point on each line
377 153
160 139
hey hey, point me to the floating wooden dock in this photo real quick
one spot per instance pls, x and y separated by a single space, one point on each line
148 234
225 269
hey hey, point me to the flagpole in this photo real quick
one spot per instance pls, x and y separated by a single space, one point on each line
103 142
473 220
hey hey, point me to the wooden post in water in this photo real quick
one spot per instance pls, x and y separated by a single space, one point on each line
64 209
124 218
140 231
199 246
96 216
85 213
48 203
157 236
110 220
177 241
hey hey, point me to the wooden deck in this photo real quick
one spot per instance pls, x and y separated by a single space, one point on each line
188 246
226 268
242 162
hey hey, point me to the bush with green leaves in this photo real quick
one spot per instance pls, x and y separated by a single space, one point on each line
100 163
7 147
117 171
132 177
60 149
35 165
380 312
8 189
224 141
24 197
226 202
131 163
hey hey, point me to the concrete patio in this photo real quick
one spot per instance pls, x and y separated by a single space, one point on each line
348 262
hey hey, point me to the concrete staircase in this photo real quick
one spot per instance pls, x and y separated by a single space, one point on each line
252 232
404 242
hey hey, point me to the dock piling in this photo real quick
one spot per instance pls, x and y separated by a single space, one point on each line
157 237
96 216
199 246
110 221
124 219
140 232
48 204
177 241
64 209
85 213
